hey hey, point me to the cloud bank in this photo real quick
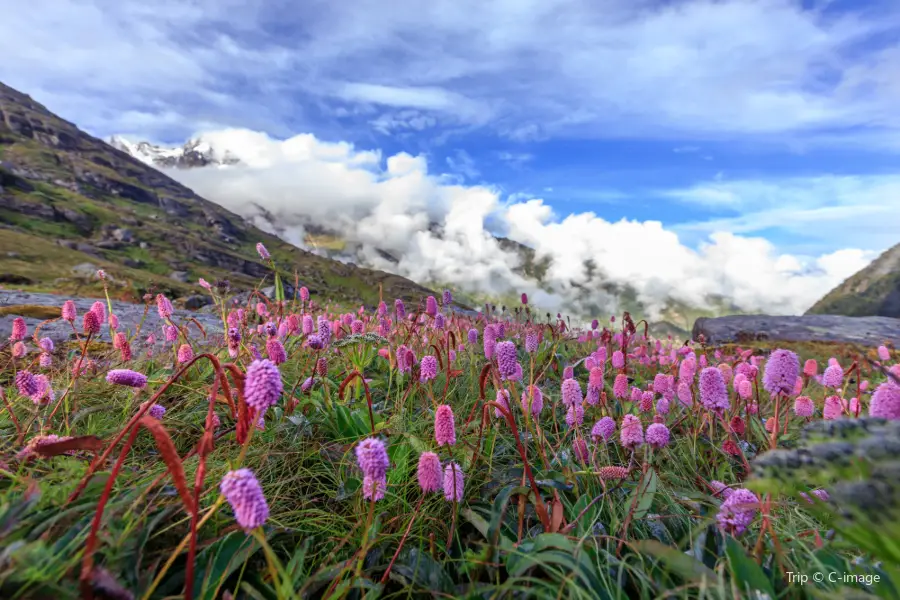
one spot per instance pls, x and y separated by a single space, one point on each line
390 204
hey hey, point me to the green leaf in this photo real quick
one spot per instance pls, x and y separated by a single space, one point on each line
676 562
279 288
498 510
747 574
553 540
647 491
217 562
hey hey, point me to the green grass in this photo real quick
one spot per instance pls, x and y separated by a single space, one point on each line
651 535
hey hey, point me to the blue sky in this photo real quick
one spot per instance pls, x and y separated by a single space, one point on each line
772 119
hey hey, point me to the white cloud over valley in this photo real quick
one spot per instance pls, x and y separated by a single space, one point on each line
387 204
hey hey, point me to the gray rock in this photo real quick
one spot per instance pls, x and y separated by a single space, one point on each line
196 302
129 316
122 235
181 276
270 290
744 329
144 245
85 269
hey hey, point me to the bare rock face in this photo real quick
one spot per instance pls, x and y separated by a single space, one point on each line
866 331
130 315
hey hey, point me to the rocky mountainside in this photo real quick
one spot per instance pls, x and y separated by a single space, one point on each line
745 329
194 153
71 203
874 291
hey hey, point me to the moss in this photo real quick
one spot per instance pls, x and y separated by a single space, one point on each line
33 311
56 229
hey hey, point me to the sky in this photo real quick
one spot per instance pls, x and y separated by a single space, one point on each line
749 148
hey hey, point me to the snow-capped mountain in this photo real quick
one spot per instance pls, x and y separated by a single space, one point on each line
194 153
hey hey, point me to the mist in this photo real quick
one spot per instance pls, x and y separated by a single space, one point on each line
385 205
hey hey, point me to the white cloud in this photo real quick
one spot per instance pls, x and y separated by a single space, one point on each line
389 204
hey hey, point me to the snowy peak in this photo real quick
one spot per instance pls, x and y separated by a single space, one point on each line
194 153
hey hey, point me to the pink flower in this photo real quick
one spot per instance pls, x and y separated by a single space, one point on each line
68 311
727 372
127 377
275 351
261 250
781 372
428 368
19 329
18 350
372 458
833 376
620 386
738 511
662 406
618 359
185 353
533 394
502 399
575 415
713 393
595 379
431 306
810 367
720 490
571 392
657 435
444 426
580 450
834 408
506 358
262 385
164 307
603 429
243 492
884 353
91 323
429 472
886 401
99 309
684 394
803 406
374 488
453 483
632 433
121 342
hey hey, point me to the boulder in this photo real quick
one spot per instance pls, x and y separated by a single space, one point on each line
197 301
744 329
181 276
122 234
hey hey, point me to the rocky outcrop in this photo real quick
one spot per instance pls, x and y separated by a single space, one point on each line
866 331
61 185
129 316
873 291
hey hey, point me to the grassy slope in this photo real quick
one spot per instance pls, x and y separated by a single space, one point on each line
62 184
873 291
305 463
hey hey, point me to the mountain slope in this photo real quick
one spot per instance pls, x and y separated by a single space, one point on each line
874 291
70 203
